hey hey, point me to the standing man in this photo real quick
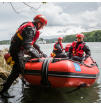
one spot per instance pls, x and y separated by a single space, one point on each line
58 51
24 38
77 49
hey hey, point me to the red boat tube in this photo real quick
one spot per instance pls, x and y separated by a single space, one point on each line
61 72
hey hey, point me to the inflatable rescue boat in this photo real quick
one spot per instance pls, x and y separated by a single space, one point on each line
60 72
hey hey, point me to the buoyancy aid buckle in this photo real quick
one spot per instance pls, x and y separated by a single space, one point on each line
53 54
74 52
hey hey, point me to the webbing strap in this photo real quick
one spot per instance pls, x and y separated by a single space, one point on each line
44 73
54 60
19 36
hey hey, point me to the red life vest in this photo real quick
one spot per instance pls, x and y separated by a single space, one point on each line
53 54
20 30
67 47
79 50
60 45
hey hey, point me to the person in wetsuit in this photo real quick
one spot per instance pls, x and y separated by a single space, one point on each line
58 51
77 49
23 40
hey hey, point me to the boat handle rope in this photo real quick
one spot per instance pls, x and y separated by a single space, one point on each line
79 87
37 60
22 65
94 63
54 60
27 59
44 73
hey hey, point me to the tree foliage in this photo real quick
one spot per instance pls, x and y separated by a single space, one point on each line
41 39
5 42
44 2
94 36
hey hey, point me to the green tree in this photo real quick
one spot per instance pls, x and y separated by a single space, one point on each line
94 36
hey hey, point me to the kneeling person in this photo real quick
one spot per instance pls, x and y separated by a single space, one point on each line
58 51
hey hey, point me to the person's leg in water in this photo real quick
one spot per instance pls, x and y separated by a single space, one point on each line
6 85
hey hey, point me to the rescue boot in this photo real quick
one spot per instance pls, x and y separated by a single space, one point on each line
6 94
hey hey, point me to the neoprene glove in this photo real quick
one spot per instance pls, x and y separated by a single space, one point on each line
44 55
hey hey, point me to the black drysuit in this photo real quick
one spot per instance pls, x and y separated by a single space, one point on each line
17 53
59 51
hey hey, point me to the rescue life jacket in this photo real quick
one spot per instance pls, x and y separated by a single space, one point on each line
22 27
60 45
79 50
53 54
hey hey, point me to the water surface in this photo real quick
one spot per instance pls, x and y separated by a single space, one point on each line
58 95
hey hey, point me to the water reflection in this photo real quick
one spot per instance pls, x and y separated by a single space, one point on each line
58 95
52 95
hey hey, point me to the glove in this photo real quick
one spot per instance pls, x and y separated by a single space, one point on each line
40 56
84 59
44 55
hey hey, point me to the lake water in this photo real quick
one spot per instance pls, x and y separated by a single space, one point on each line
58 95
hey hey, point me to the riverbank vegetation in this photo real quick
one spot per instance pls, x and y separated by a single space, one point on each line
3 64
93 36
5 42
4 68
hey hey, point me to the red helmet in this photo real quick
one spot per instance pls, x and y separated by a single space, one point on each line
40 18
79 36
60 38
